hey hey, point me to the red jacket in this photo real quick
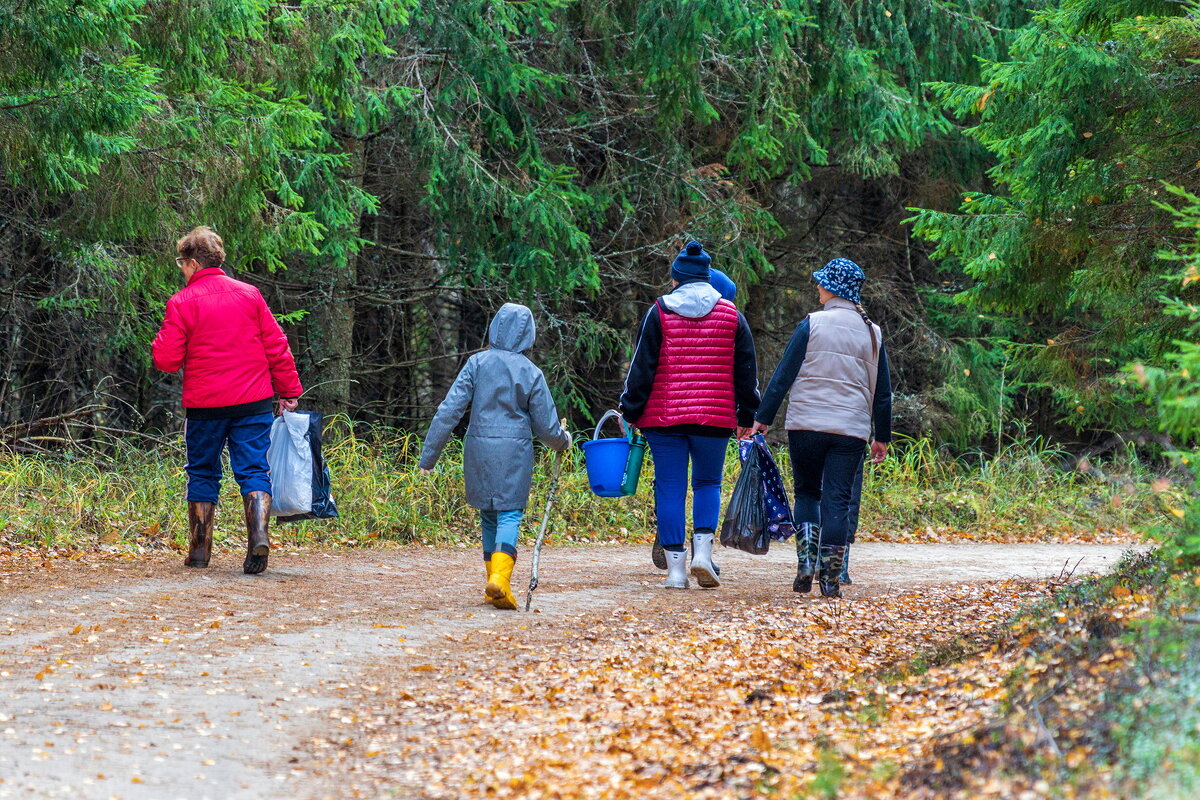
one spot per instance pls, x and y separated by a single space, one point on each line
230 347
694 381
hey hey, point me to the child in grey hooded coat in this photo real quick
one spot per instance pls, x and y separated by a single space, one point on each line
510 405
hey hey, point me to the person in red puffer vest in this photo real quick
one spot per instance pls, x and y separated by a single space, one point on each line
692 384
235 361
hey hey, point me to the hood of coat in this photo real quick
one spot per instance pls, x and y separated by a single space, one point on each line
692 300
512 329
723 284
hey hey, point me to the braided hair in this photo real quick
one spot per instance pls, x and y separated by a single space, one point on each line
862 312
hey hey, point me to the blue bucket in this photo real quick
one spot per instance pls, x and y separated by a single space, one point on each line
606 459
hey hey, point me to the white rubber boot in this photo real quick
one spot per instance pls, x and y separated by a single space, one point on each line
676 570
702 567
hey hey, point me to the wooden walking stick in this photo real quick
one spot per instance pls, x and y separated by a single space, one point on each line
541 537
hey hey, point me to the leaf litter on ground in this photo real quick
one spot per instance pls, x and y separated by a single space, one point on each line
776 698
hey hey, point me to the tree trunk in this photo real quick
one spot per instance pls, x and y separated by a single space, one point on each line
329 328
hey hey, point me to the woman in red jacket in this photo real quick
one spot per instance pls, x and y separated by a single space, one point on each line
692 383
235 361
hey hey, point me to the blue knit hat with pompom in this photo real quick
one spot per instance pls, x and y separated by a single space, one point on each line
691 264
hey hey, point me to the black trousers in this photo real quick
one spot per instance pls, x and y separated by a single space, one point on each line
824 468
855 504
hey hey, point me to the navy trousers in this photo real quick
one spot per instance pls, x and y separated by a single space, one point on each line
824 466
855 504
248 439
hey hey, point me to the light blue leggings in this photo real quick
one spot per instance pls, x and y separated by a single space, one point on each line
500 529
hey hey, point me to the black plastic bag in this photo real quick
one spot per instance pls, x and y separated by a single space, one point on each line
323 506
745 525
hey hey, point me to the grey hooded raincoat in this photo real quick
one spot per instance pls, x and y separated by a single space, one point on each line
510 404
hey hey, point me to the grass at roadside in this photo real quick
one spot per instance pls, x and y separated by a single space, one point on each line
128 496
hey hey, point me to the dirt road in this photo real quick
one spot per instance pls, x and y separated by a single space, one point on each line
140 679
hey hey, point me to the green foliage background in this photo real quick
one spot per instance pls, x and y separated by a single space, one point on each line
389 172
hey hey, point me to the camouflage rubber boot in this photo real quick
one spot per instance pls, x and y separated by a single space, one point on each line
807 539
832 559
844 578
200 531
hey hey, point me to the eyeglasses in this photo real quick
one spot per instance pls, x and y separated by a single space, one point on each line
179 261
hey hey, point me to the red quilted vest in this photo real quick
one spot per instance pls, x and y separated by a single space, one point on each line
693 384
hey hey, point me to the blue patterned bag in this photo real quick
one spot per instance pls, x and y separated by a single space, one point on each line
780 524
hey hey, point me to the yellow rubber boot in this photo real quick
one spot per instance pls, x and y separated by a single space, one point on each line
499 590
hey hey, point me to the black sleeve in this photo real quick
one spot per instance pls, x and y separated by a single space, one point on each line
642 368
784 375
745 374
882 407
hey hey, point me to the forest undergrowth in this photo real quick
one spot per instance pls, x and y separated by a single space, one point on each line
1097 693
129 497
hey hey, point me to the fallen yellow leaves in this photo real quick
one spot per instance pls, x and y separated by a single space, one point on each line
1006 533
754 699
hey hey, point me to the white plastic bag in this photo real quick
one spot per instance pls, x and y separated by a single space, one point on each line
291 462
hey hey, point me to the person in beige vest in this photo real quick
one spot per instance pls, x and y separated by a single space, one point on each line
835 377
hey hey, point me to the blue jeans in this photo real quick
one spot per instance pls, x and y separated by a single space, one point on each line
500 529
671 453
248 439
824 466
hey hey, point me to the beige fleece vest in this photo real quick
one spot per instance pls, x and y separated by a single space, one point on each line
835 389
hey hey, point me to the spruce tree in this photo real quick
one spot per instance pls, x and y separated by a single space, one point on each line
1087 120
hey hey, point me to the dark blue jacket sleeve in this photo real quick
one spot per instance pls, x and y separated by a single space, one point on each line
785 374
882 410
642 368
745 374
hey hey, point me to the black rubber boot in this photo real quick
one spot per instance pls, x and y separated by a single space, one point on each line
807 539
832 559
200 532
258 514
658 555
